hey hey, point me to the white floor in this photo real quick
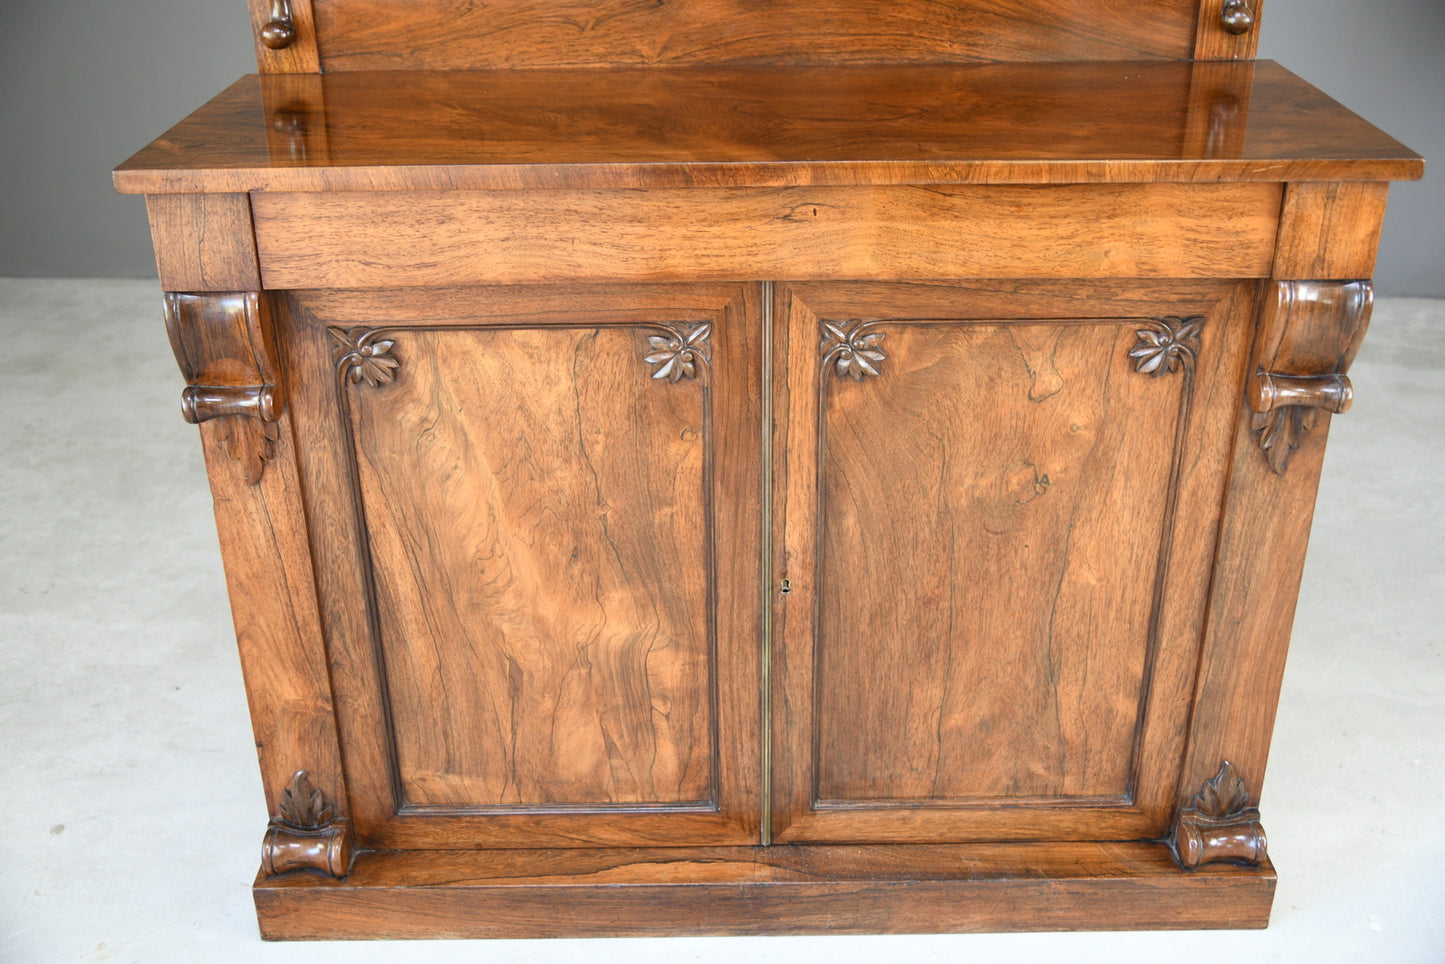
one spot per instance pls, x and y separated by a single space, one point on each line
132 814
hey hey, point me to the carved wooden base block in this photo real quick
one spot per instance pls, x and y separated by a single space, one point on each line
1220 825
306 834
1202 840
815 889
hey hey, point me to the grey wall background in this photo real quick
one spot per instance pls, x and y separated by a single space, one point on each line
85 83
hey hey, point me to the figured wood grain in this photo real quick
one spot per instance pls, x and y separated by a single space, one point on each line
279 633
351 240
203 242
1035 699
1251 610
1303 326
597 660
1330 230
447 35
1038 698
764 890
719 127
538 521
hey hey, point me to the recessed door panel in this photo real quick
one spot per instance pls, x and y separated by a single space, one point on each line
540 645
527 495
988 506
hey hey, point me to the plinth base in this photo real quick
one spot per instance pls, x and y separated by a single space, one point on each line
881 889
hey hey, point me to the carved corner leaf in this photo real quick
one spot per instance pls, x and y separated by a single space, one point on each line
248 441
306 833
853 348
363 355
1167 345
1280 432
1224 796
303 806
680 352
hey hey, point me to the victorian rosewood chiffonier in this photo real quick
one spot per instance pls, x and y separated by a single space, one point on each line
726 466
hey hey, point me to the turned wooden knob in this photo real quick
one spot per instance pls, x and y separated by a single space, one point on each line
1237 17
280 30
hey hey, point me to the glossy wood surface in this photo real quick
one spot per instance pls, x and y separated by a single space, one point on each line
549 632
559 493
451 35
962 514
991 123
764 890
673 234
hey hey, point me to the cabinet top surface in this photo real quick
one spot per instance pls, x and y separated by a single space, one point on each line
1005 123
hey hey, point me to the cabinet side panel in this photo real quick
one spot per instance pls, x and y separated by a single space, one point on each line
536 511
273 604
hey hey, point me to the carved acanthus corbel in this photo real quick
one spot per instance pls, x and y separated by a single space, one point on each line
1220 824
222 343
1309 333
306 834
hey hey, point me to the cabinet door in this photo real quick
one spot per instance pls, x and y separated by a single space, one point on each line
535 519
997 507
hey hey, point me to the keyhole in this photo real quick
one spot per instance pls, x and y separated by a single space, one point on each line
786 587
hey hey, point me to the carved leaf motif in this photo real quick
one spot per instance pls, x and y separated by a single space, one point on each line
303 806
853 348
1223 796
249 441
1168 344
680 352
362 355
1281 431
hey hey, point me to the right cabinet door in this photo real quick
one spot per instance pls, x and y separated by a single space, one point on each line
996 507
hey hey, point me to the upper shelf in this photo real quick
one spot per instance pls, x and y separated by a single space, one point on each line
1092 122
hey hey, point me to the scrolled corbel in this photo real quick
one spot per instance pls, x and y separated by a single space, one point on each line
221 342
1308 336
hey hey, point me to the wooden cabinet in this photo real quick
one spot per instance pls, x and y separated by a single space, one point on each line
678 483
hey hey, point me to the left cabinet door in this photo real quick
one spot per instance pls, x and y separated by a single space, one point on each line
535 517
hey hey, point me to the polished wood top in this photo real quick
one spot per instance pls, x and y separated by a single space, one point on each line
1097 122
